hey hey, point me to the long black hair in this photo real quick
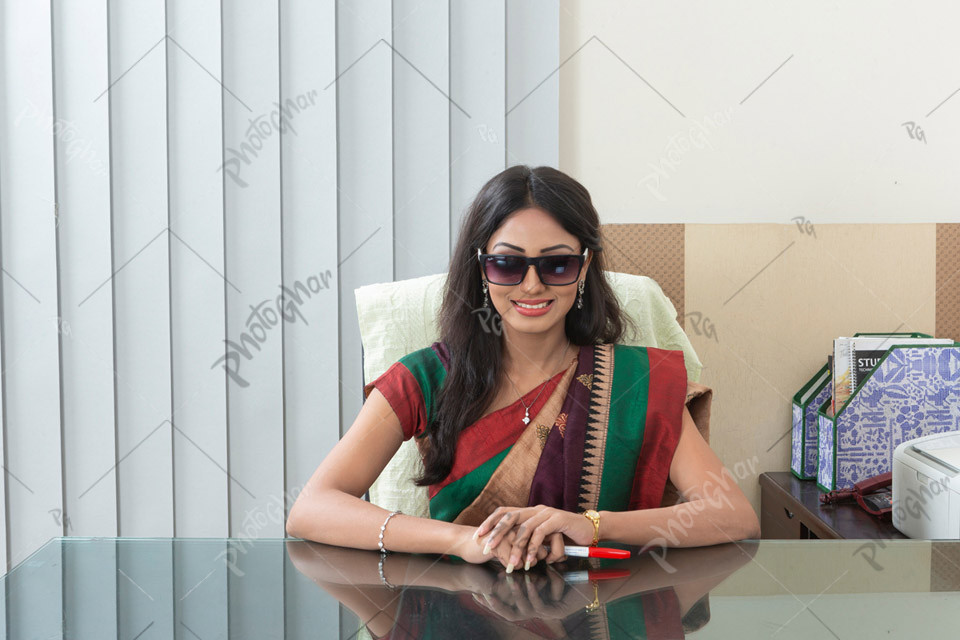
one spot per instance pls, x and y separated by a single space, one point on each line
475 355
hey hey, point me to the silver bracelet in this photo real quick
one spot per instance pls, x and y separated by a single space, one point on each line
383 578
383 527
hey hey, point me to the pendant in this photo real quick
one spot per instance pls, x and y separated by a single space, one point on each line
526 417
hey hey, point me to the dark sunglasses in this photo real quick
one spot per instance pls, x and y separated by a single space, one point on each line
553 270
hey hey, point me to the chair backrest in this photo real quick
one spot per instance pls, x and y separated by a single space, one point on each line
397 318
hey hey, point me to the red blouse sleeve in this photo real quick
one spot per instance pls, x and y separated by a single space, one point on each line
403 393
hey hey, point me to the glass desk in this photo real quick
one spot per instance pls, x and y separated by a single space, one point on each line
273 588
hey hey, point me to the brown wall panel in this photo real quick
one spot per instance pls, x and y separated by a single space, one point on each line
653 250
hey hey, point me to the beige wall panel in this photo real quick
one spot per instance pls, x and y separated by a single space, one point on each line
773 297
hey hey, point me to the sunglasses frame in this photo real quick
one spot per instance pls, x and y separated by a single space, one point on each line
481 257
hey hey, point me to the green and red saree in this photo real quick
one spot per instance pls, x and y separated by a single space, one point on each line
603 436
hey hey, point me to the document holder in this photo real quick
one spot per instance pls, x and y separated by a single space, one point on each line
913 391
805 443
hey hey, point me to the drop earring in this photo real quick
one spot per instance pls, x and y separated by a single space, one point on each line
486 302
580 298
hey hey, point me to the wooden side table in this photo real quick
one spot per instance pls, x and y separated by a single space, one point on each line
790 509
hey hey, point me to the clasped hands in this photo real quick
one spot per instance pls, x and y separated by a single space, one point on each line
518 535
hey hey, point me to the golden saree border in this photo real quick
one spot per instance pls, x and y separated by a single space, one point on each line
595 436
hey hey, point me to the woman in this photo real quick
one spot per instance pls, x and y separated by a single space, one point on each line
540 432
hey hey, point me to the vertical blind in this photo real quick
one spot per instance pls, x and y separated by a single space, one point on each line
190 192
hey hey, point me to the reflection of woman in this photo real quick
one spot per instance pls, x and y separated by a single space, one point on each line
544 416
654 599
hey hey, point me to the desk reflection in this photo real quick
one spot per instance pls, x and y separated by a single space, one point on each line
657 594
241 589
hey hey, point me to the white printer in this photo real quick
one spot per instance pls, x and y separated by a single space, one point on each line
926 487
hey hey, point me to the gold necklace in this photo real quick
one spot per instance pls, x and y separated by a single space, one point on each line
526 409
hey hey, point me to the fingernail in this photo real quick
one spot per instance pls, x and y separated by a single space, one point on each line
476 534
486 548
526 566
509 567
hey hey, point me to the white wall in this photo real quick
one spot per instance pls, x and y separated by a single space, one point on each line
705 112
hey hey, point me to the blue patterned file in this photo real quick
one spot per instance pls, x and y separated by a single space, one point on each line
810 397
913 391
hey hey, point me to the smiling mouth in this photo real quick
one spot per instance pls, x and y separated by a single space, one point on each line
541 305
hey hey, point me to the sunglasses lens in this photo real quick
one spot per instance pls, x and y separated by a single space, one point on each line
505 269
560 270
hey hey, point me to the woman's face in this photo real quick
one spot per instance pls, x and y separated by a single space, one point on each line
533 232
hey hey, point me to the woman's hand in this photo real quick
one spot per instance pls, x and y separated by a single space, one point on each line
502 548
466 548
541 596
530 527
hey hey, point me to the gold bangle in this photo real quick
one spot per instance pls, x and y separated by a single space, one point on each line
594 517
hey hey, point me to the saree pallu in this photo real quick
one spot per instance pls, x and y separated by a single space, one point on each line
602 437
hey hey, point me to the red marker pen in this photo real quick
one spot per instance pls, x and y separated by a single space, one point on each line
579 577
